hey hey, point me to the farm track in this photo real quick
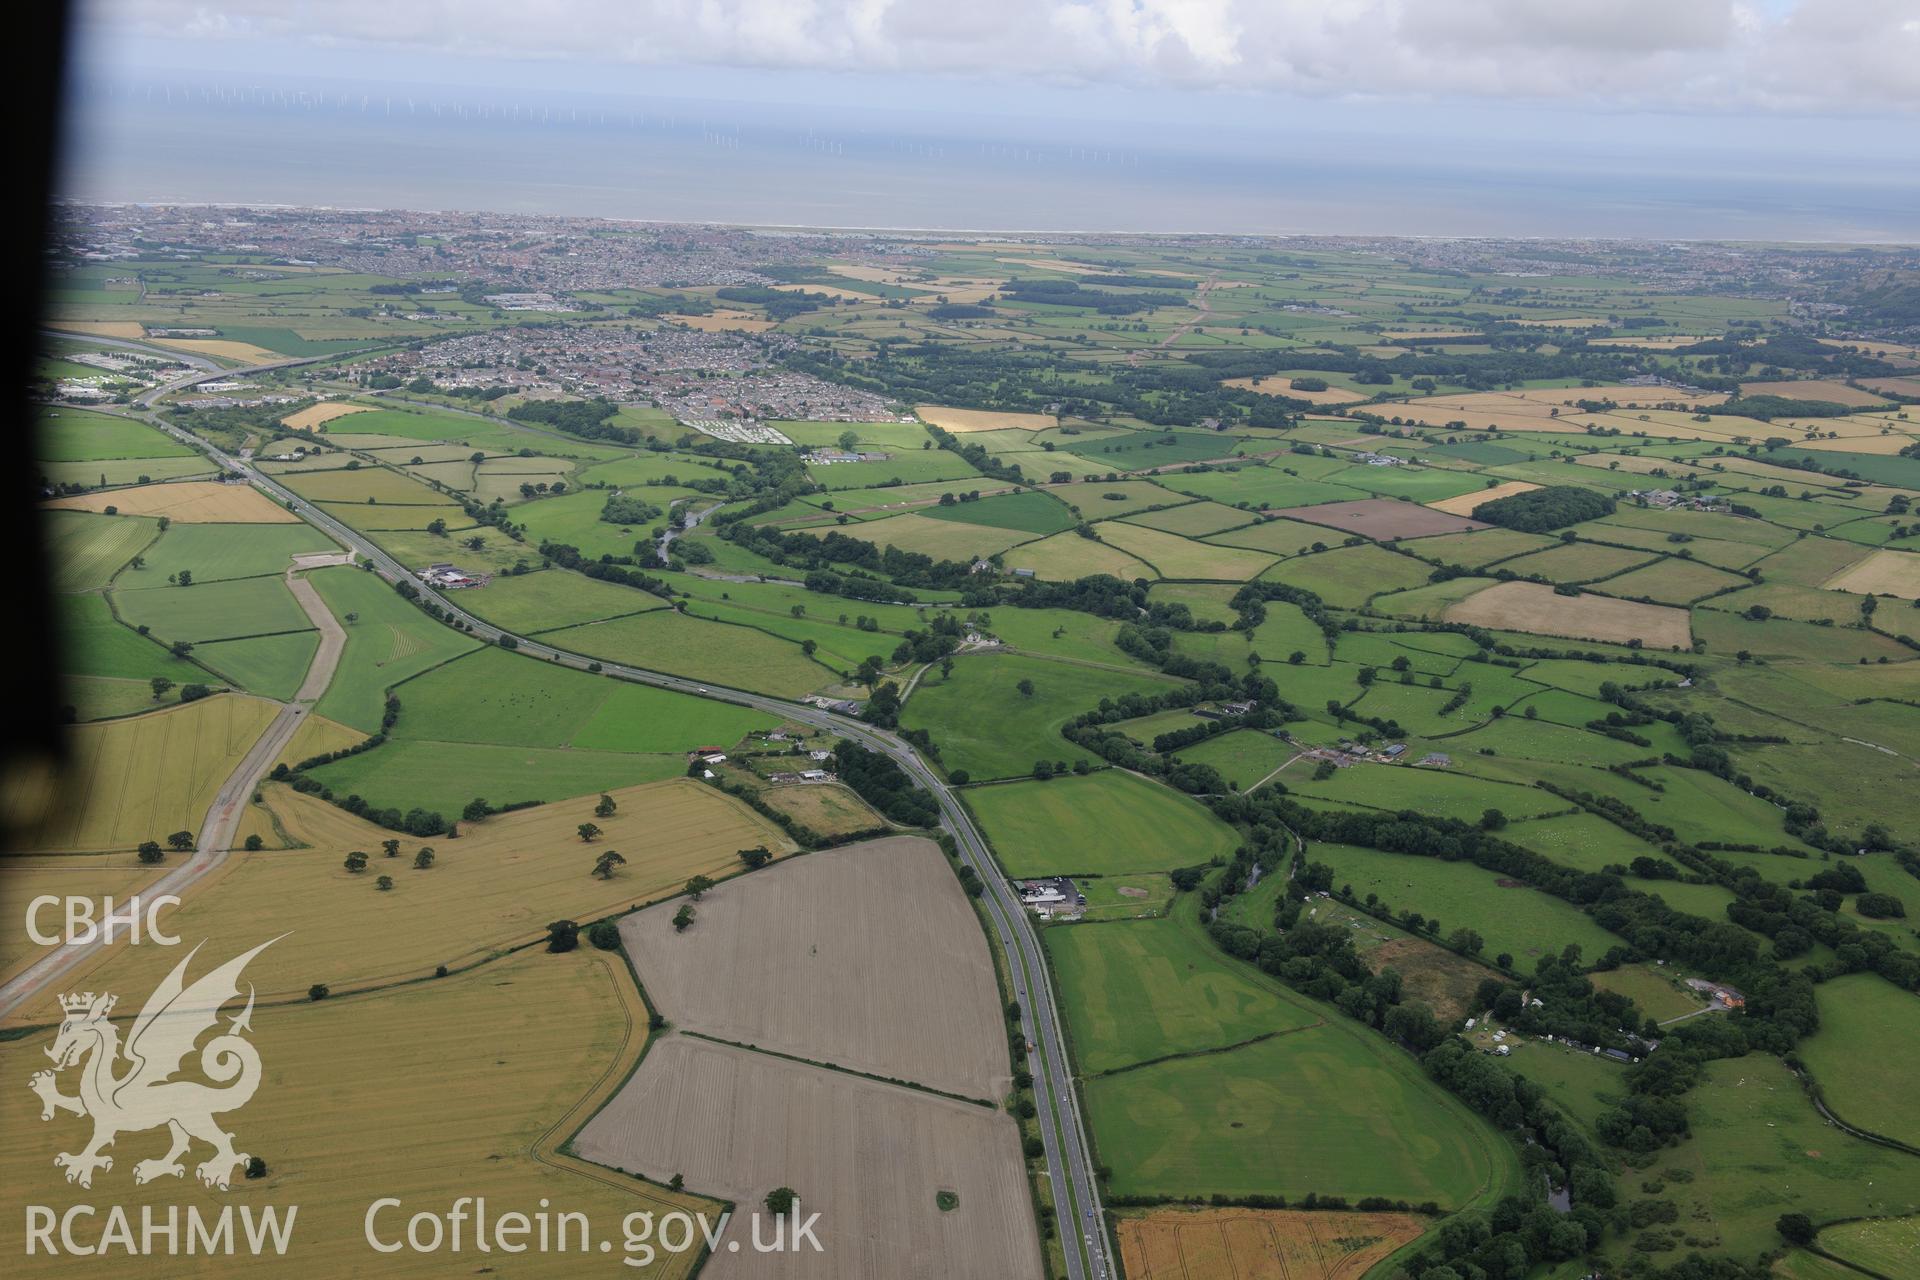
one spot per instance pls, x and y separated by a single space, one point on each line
223 816
1068 1154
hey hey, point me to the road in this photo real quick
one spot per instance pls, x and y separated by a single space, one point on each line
229 803
1069 1156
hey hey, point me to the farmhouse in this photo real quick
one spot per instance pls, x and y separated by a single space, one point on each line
449 577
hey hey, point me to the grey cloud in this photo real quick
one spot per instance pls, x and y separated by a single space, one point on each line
1733 55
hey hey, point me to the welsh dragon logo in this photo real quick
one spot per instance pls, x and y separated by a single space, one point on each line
128 1088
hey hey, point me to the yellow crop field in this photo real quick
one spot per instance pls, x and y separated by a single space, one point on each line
1259 1244
1463 504
128 329
928 535
1888 444
187 501
326 411
1066 556
461 1087
1178 557
1285 387
725 321
961 421
221 349
1884 573
494 887
144 777
1534 607
82 875
1816 389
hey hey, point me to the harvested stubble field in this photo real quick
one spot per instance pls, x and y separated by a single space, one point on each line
26 877
495 886
823 809
870 1158
144 777
1382 518
1259 1244
1463 504
187 502
768 956
399 1089
1885 572
1533 607
326 411
960 421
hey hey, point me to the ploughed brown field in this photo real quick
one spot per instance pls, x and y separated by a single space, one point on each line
1384 518
768 958
869 1158
789 980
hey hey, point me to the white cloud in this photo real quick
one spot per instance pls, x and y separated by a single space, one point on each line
1731 55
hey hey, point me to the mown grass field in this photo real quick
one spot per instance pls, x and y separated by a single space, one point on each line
213 610
1889 1246
984 724
493 696
1105 823
731 656
1141 990
453 1094
87 550
211 552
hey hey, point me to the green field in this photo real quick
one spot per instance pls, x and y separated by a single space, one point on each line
214 610
1865 1022
983 724
730 656
212 552
493 696
1888 1246
443 776
1105 823
1759 1149
1142 990
88 550
1324 1109
529 603
93 643
387 641
271 666
1519 921
1028 511
78 435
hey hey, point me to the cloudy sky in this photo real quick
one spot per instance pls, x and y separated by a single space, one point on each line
1762 97
1847 56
